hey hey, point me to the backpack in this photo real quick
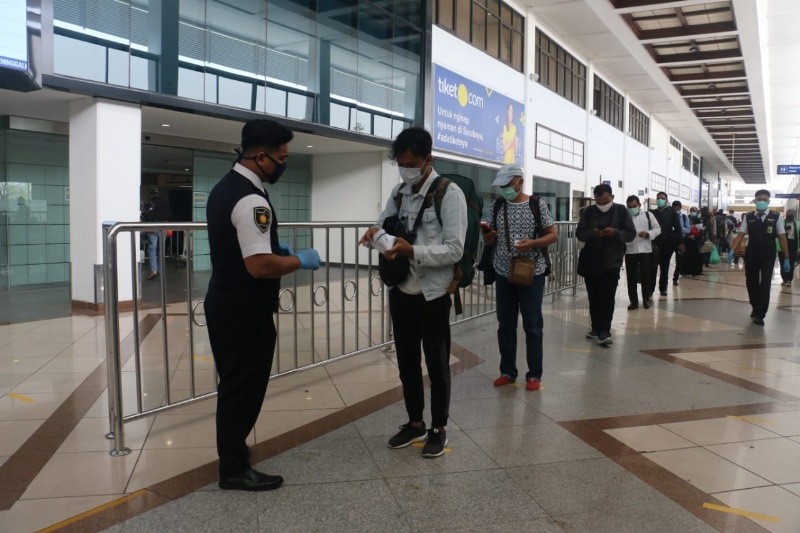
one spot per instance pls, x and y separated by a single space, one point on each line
464 269
533 202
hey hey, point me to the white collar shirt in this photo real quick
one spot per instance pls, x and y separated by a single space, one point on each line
643 245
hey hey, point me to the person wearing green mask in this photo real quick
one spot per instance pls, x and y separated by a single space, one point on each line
639 254
763 227
521 227
670 240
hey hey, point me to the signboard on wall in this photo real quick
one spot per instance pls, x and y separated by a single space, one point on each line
474 120
788 169
14 37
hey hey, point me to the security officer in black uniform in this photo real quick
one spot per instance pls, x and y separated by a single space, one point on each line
759 258
247 262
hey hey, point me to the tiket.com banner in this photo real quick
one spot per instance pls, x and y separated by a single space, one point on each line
474 120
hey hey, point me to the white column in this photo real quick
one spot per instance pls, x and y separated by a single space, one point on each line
104 178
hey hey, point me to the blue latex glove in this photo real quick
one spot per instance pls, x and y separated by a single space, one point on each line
287 250
309 259
786 265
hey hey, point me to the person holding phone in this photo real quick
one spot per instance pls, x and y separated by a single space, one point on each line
524 228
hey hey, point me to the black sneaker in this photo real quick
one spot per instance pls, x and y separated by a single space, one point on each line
592 334
604 339
664 292
435 445
758 321
408 435
675 282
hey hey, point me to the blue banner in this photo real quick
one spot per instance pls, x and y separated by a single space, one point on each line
476 121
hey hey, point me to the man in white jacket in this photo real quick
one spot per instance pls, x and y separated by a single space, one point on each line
639 254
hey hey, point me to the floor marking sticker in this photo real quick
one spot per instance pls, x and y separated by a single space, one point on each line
90 512
741 512
20 397
748 419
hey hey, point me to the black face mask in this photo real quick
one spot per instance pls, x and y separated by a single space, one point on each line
273 178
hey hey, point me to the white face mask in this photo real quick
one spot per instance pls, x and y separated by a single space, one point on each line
410 176
605 208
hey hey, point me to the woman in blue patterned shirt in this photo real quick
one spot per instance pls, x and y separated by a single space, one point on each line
515 212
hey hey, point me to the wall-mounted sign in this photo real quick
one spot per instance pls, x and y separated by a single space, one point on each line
788 169
14 36
475 120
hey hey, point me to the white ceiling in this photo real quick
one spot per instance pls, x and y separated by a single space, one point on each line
595 30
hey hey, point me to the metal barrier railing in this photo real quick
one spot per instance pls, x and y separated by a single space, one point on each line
326 315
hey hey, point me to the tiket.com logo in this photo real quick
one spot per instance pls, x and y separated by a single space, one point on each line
459 92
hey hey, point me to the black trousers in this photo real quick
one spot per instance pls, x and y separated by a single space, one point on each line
602 292
787 276
665 251
243 344
679 258
758 274
426 324
692 264
638 267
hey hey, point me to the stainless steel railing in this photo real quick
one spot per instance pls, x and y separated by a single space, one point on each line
325 315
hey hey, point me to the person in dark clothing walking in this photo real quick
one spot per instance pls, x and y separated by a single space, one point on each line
670 240
247 262
793 238
156 210
680 253
605 227
759 259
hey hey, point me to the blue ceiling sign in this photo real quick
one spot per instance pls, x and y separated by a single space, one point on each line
788 169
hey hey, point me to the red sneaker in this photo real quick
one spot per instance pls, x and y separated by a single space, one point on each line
503 380
533 384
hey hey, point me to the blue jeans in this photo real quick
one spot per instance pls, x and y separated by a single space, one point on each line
511 302
152 250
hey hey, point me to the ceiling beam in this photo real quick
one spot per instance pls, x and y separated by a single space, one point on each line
722 113
631 6
691 58
738 102
720 75
726 91
696 31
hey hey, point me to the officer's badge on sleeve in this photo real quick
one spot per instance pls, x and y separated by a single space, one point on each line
261 216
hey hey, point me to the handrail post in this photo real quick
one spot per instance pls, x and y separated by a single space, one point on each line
111 308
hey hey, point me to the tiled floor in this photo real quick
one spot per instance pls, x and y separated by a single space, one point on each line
519 447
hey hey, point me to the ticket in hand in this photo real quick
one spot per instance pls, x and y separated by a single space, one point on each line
382 241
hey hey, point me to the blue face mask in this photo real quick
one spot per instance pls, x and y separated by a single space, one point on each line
510 193
762 206
634 211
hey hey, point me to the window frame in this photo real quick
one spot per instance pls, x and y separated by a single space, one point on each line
554 65
608 104
638 124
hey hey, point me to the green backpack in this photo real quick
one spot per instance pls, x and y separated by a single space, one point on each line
464 270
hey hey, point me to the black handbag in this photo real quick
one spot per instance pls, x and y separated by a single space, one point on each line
394 272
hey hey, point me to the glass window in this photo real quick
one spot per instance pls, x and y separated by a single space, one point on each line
559 71
271 57
639 125
490 25
609 105
558 148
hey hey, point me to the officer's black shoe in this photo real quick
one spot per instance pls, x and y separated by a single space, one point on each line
647 304
753 314
758 321
251 480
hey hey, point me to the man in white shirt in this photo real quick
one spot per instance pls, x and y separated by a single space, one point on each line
639 254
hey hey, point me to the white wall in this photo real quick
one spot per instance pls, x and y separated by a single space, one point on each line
346 188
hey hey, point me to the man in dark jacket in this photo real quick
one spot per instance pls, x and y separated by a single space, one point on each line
671 238
605 228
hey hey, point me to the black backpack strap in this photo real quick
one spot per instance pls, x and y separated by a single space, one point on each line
496 210
438 195
649 224
533 202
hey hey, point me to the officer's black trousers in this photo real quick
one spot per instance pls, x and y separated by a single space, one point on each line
665 251
243 343
416 321
758 271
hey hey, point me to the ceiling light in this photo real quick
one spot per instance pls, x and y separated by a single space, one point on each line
712 87
310 146
693 48
165 125
187 169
